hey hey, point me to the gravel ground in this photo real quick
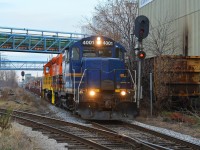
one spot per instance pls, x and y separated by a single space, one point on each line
169 132
41 142
65 115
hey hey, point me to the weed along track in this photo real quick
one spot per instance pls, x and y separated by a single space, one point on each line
77 136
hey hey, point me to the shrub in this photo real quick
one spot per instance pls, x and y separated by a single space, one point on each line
5 120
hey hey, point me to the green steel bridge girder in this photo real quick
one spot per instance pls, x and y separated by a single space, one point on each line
36 41
22 65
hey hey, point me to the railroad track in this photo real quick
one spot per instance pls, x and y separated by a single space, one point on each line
77 136
161 141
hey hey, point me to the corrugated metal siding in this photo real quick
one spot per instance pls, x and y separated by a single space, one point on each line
185 15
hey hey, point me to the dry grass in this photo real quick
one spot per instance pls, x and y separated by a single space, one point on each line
20 100
184 124
5 120
11 139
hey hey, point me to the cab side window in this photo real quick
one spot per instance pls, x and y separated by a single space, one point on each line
75 53
119 53
67 57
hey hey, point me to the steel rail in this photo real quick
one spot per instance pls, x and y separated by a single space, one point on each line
111 135
142 141
167 137
64 134
187 144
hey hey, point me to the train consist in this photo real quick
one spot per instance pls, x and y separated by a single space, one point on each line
91 78
35 86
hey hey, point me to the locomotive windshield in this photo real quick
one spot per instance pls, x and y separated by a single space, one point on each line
92 52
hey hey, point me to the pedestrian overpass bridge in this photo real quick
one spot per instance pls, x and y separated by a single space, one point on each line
33 41
22 65
36 41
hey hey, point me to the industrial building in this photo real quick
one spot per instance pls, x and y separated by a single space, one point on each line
183 19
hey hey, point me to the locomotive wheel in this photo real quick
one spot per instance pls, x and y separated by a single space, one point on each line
49 96
57 100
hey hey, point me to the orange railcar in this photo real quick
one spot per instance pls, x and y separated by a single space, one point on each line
52 76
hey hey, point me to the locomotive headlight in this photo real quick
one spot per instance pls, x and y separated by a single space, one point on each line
98 38
92 93
98 42
123 93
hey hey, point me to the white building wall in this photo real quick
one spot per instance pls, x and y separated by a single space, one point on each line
185 17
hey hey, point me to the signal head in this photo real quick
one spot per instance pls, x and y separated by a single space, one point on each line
141 55
22 73
141 27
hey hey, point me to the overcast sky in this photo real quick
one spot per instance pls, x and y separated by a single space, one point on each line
58 15
54 15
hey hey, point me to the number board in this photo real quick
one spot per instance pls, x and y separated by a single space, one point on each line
91 42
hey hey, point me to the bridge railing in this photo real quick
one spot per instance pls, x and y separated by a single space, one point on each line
36 41
35 32
22 65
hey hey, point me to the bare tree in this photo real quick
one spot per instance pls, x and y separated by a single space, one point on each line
115 19
8 78
162 39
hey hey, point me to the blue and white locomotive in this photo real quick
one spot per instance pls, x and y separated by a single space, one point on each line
95 81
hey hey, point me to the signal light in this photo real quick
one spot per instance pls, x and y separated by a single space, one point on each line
22 73
141 55
141 27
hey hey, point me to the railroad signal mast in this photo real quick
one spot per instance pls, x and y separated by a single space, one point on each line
141 31
22 74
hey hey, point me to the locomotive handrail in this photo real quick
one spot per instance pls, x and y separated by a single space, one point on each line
74 86
132 76
131 79
80 84
133 82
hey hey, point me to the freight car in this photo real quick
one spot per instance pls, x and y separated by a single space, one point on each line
34 86
91 79
176 81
